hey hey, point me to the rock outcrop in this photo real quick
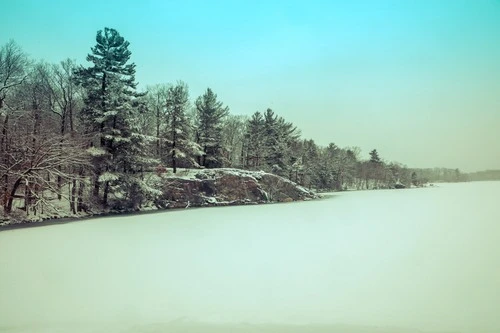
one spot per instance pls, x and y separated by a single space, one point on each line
222 187
192 188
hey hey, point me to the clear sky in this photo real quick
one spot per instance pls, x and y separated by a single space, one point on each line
417 80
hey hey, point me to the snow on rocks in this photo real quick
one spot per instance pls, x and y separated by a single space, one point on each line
188 188
226 186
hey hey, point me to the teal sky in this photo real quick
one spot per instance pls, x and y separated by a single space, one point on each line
417 80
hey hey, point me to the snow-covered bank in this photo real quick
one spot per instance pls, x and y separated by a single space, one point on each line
193 188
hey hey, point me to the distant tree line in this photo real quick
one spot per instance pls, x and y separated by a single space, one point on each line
484 175
446 175
85 134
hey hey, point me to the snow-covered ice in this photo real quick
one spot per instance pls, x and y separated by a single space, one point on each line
356 262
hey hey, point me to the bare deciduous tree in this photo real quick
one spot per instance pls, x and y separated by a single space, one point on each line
13 63
33 166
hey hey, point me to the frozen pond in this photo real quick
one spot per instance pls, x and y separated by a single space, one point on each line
419 260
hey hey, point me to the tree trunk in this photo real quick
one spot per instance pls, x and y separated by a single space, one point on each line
97 173
79 206
174 139
103 106
59 178
174 158
204 157
95 192
27 196
105 194
59 185
158 132
4 149
8 207
72 202
36 125
71 125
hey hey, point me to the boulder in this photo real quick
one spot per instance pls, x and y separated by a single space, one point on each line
220 187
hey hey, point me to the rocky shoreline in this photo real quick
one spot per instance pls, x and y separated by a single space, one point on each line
222 187
197 188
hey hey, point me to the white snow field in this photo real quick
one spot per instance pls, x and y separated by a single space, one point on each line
399 261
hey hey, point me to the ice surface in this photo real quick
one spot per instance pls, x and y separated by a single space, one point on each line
356 262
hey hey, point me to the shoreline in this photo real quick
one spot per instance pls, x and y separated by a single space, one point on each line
71 219
192 189
150 210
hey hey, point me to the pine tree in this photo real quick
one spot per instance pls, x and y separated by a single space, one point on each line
347 162
414 178
273 153
210 114
279 138
254 141
374 158
288 137
376 168
110 114
156 109
310 158
328 162
178 130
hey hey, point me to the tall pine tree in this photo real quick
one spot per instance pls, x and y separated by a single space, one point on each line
210 114
254 143
178 129
279 138
110 114
271 141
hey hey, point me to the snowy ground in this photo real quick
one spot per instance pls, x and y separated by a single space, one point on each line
358 262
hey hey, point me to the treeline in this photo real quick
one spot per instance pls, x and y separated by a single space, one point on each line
484 175
85 135
441 175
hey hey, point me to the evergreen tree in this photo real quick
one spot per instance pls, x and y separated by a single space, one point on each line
374 158
110 114
254 141
273 154
181 148
330 167
345 167
414 178
272 143
284 153
310 157
376 168
210 114
156 109
279 138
